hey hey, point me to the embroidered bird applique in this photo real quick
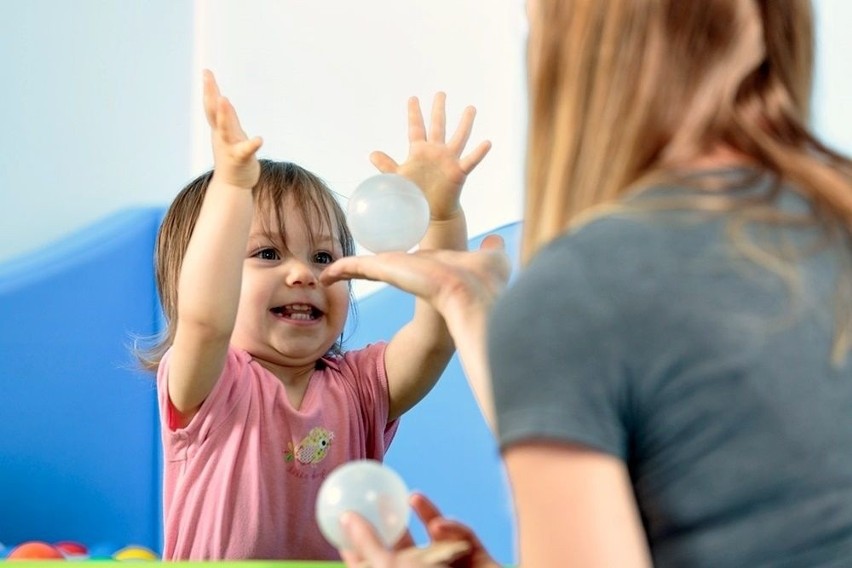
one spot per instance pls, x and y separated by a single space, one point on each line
313 448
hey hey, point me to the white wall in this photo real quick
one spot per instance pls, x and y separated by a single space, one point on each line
832 108
94 107
325 83
100 98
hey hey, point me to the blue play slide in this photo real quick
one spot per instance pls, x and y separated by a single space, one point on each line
79 435
78 426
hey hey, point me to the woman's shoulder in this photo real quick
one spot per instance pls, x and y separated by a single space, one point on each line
616 247
619 268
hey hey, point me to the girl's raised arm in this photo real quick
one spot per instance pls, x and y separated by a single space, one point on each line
209 284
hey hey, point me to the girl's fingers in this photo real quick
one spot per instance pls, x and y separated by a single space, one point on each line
469 162
383 162
463 130
210 79
247 148
210 97
416 127
437 129
232 133
229 122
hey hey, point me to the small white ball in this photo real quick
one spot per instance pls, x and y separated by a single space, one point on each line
368 488
388 212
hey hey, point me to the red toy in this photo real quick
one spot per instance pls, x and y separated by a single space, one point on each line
72 549
35 550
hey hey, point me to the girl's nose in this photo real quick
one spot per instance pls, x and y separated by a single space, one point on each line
300 274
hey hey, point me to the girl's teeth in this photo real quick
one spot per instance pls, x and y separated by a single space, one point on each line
300 316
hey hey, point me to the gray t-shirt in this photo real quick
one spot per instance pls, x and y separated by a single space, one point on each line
656 339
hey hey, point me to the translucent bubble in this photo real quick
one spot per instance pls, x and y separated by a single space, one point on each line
368 488
388 212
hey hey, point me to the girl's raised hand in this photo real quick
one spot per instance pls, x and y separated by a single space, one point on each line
434 164
233 151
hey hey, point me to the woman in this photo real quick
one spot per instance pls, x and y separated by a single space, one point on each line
670 372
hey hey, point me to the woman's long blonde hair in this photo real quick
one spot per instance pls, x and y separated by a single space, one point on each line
622 91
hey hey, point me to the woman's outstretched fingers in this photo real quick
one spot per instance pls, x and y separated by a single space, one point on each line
374 267
424 508
405 541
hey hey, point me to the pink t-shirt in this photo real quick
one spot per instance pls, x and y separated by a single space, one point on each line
241 480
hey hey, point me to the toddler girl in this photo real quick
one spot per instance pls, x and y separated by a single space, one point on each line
258 401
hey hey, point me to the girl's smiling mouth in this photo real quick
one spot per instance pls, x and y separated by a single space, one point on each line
302 312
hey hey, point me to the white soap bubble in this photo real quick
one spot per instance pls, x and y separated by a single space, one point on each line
370 489
388 212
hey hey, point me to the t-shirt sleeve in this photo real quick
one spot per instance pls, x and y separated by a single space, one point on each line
225 397
554 356
367 366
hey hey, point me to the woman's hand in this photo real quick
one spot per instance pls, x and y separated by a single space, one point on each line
443 530
448 280
460 285
454 545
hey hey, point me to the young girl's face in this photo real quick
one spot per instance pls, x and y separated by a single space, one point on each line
286 318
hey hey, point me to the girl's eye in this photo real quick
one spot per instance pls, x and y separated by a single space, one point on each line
323 258
267 254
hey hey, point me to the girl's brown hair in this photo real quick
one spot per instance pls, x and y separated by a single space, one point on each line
281 185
